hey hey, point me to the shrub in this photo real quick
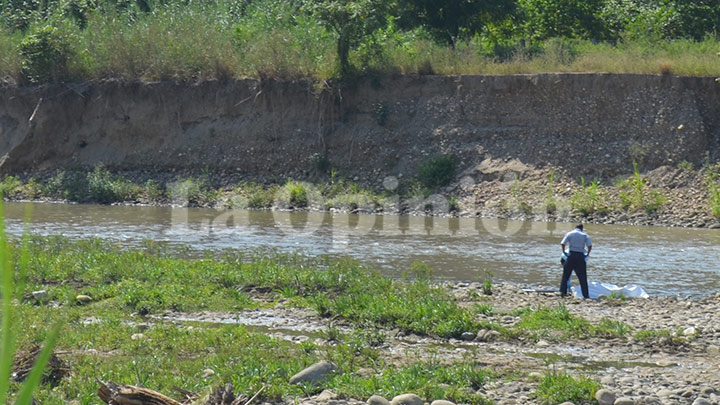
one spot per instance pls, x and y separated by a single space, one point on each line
637 195
589 199
437 171
44 55
105 188
712 183
193 191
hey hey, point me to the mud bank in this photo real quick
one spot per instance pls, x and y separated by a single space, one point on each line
586 124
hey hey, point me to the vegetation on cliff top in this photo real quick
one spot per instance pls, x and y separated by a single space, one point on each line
62 40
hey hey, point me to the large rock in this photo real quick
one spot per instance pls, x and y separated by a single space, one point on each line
407 399
624 401
605 397
441 402
315 373
377 400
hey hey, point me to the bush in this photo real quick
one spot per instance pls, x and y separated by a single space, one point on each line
589 199
637 195
44 55
105 188
437 172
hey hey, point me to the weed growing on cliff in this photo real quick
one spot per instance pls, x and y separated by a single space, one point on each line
636 195
589 199
550 200
558 387
437 172
712 183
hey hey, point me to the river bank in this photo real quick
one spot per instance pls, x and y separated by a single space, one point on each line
682 196
258 320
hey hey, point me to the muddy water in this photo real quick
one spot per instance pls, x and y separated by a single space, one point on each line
664 261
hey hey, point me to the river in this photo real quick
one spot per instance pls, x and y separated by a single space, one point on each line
664 261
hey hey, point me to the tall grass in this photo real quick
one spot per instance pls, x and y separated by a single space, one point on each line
215 40
11 323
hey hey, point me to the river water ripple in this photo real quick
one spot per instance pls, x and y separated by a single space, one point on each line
664 261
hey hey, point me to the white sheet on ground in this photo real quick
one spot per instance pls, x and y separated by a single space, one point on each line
597 289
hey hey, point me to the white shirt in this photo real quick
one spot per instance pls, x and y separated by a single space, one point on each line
577 240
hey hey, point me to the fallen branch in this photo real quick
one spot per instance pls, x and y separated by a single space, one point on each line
116 394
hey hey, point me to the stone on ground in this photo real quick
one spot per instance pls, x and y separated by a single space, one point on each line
315 373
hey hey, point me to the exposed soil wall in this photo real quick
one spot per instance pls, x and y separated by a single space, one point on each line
586 124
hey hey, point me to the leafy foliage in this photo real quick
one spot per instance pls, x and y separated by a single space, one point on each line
45 54
437 171
351 20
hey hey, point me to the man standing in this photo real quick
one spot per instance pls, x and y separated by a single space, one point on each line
577 241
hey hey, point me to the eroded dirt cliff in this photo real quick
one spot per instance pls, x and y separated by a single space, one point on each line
591 125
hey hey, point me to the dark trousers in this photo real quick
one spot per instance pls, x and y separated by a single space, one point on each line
576 263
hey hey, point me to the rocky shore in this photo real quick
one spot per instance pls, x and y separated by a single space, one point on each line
678 364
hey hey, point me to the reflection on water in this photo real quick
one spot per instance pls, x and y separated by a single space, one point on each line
662 260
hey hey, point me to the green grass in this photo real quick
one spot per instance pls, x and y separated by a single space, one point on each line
13 266
557 323
589 199
637 195
712 184
147 281
558 387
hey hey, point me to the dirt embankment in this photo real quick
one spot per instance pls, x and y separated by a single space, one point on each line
498 127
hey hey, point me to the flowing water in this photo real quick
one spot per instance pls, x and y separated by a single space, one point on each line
664 261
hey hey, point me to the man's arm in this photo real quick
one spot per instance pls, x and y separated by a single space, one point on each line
589 249
562 245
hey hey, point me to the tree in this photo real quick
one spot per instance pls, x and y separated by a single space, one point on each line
450 20
352 21
564 18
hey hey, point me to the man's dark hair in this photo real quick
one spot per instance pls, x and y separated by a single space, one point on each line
579 226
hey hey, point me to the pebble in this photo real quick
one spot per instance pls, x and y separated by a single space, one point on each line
624 401
83 299
40 296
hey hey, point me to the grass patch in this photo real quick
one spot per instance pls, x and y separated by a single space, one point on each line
558 387
557 323
102 341
144 282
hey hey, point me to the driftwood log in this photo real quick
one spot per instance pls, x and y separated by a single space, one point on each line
115 394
